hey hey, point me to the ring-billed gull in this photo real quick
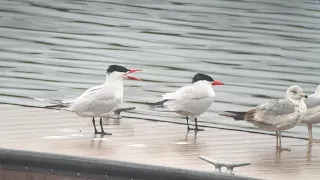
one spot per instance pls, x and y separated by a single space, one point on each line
312 116
275 115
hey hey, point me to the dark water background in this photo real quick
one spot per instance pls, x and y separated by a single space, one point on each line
57 49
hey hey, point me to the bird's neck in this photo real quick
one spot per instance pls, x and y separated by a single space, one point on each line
113 77
301 105
203 88
295 101
201 83
204 85
115 84
317 94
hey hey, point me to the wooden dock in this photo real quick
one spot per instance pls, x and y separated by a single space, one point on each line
157 143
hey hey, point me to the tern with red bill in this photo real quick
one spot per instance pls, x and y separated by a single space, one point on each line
101 100
193 100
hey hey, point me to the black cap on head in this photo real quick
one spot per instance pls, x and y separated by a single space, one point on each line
200 77
117 68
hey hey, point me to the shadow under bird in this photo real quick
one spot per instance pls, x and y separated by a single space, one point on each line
101 100
193 100
275 115
312 116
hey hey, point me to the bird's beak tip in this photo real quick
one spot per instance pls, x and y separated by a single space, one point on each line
216 82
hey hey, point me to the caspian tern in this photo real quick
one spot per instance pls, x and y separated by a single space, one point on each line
193 100
275 115
312 116
100 100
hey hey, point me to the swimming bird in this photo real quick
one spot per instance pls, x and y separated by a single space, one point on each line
312 116
193 100
275 115
99 101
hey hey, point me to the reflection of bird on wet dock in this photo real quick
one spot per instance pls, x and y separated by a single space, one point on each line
100 100
193 100
312 116
276 115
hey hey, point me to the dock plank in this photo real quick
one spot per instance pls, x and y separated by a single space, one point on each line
157 143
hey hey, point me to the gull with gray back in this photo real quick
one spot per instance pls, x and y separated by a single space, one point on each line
275 115
312 116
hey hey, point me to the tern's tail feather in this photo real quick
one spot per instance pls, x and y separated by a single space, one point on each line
236 115
157 104
169 96
48 101
56 103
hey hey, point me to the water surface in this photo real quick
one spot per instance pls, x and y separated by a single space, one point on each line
58 49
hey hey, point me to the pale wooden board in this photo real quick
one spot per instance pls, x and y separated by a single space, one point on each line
157 143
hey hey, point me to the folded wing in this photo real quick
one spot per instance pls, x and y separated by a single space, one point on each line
187 100
277 113
96 101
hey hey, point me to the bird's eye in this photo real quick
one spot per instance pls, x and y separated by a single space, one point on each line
295 92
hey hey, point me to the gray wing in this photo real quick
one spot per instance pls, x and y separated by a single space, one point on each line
273 112
313 110
312 102
91 91
277 108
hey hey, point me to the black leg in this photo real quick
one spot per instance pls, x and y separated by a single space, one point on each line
188 124
197 129
94 125
102 131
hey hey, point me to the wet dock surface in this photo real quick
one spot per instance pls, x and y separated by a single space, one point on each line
8 174
157 143
58 49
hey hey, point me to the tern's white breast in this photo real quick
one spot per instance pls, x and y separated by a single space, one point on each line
191 100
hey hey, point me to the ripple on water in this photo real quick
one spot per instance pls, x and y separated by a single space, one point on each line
57 49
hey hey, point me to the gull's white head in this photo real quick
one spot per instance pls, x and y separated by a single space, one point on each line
119 72
295 92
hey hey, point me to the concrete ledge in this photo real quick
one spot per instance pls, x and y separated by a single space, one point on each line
101 167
